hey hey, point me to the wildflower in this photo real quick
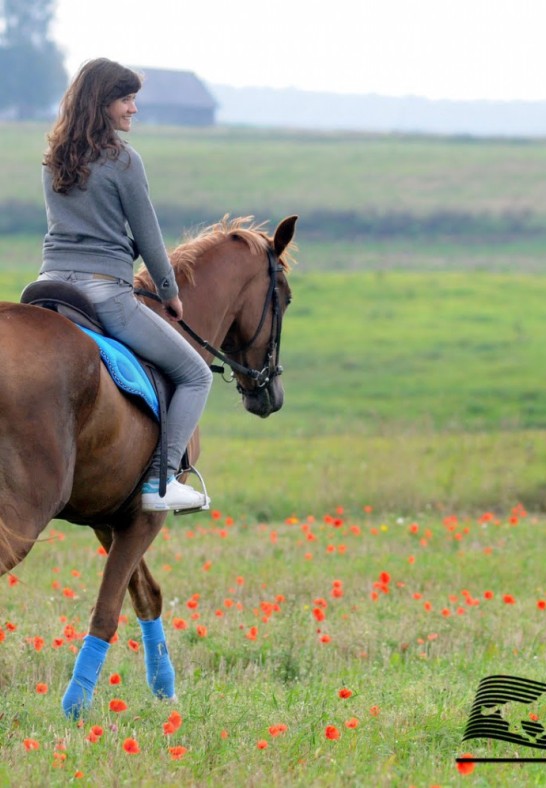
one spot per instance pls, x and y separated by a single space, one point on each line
325 639
374 711
541 604
179 623
12 580
351 723
38 643
345 693
168 728
276 730
78 775
202 631
117 705
224 734
31 744
508 599
318 614
488 595
41 688
466 767
177 752
69 593
131 746
331 732
57 642
261 744
252 633
94 734
133 645
115 678
175 719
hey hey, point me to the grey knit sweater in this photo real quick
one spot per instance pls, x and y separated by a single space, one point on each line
88 230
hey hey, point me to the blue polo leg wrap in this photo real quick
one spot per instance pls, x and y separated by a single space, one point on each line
87 668
159 668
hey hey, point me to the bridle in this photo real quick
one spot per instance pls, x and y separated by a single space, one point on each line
271 367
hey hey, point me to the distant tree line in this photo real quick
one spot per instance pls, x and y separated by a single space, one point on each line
31 64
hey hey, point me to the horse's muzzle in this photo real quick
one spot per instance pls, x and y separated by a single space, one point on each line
265 400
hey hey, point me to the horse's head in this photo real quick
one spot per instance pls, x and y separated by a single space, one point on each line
253 340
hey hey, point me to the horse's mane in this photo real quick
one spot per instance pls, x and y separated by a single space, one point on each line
196 243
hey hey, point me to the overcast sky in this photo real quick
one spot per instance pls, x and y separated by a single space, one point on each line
453 49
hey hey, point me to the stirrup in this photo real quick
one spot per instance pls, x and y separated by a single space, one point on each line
206 506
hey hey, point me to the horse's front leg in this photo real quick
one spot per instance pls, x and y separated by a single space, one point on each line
125 546
147 604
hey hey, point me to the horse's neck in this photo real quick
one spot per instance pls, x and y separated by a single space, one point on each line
212 303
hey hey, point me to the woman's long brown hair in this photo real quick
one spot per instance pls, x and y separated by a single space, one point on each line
83 129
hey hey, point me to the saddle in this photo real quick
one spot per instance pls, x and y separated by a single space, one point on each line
132 374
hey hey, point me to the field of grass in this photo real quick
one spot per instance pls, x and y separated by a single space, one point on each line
404 390
355 533
266 624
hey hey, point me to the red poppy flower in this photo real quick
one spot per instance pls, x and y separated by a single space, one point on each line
352 723
117 705
179 623
345 693
177 752
115 678
466 767
31 744
41 688
276 730
133 645
202 631
331 732
262 744
131 746
175 719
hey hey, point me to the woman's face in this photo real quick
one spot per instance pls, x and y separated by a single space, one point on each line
121 112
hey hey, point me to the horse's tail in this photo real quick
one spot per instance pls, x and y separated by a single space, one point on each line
9 557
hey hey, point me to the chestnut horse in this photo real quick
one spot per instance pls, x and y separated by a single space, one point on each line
74 447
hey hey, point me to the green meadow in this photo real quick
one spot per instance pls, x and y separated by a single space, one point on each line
380 535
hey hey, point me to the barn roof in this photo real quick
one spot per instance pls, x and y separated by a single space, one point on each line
173 88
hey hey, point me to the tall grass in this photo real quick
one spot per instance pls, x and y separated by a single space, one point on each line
393 609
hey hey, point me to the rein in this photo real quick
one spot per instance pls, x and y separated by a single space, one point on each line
271 367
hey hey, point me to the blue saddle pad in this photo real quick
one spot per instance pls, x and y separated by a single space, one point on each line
125 369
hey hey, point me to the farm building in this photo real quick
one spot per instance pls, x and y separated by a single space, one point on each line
175 98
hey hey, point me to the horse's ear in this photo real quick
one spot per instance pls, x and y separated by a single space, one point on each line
284 234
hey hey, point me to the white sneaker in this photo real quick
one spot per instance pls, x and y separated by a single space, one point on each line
177 497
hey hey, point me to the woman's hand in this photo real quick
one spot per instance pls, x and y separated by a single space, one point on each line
174 308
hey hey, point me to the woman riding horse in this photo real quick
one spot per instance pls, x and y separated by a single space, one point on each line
95 191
